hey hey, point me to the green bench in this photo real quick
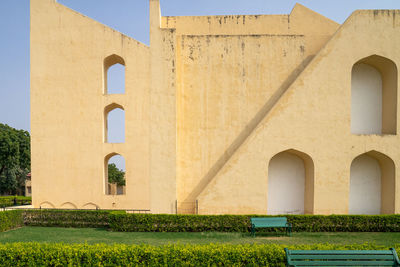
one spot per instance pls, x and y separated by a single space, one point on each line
342 257
270 222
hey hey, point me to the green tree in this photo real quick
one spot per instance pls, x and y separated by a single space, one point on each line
115 175
15 158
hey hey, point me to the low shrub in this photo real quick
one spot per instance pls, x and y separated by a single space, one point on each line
66 218
45 254
345 223
123 222
10 219
8 201
241 223
177 223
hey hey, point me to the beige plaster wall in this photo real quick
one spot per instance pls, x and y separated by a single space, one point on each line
67 111
163 114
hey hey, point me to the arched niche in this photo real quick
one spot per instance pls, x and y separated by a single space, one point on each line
46 205
290 183
114 75
68 205
90 206
114 123
374 96
372 184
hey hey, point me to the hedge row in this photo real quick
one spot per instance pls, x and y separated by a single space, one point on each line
10 220
122 222
241 223
178 223
67 218
345 223
8 201
45 254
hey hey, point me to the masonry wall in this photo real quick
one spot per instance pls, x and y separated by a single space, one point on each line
67 111
207 106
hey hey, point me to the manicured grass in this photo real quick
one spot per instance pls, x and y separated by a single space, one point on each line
92 236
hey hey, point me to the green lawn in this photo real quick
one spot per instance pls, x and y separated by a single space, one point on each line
92 236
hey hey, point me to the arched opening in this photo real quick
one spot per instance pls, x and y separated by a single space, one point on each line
114 124
374 96
290 183
114 75
372 184
114 178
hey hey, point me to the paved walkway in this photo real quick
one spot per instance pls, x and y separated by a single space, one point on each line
19 207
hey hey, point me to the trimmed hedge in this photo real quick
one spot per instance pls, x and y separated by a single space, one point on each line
45 254
10 220
345 223
241 223
8 201
67 218
122 222
177 223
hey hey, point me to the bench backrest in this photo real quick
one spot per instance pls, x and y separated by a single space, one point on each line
342 257
269 221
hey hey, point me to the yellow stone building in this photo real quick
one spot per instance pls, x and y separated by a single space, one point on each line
247 114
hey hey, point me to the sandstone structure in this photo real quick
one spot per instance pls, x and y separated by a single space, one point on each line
242 114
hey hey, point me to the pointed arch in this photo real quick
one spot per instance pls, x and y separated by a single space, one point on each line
372 184
117 76
68 205
374 96
290 183
46 205
114 124
112 106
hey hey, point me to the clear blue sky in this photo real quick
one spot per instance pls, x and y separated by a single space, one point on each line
131 18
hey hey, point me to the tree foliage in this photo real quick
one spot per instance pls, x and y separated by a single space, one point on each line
115 175
15 158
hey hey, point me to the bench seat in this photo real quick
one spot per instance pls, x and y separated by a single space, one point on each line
342 257
270 222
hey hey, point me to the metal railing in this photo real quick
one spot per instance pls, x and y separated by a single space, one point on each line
135 211
283 212
187 207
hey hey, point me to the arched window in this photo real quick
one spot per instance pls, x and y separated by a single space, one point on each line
290 183
114 75
372 184
374 96
114 124
114 178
